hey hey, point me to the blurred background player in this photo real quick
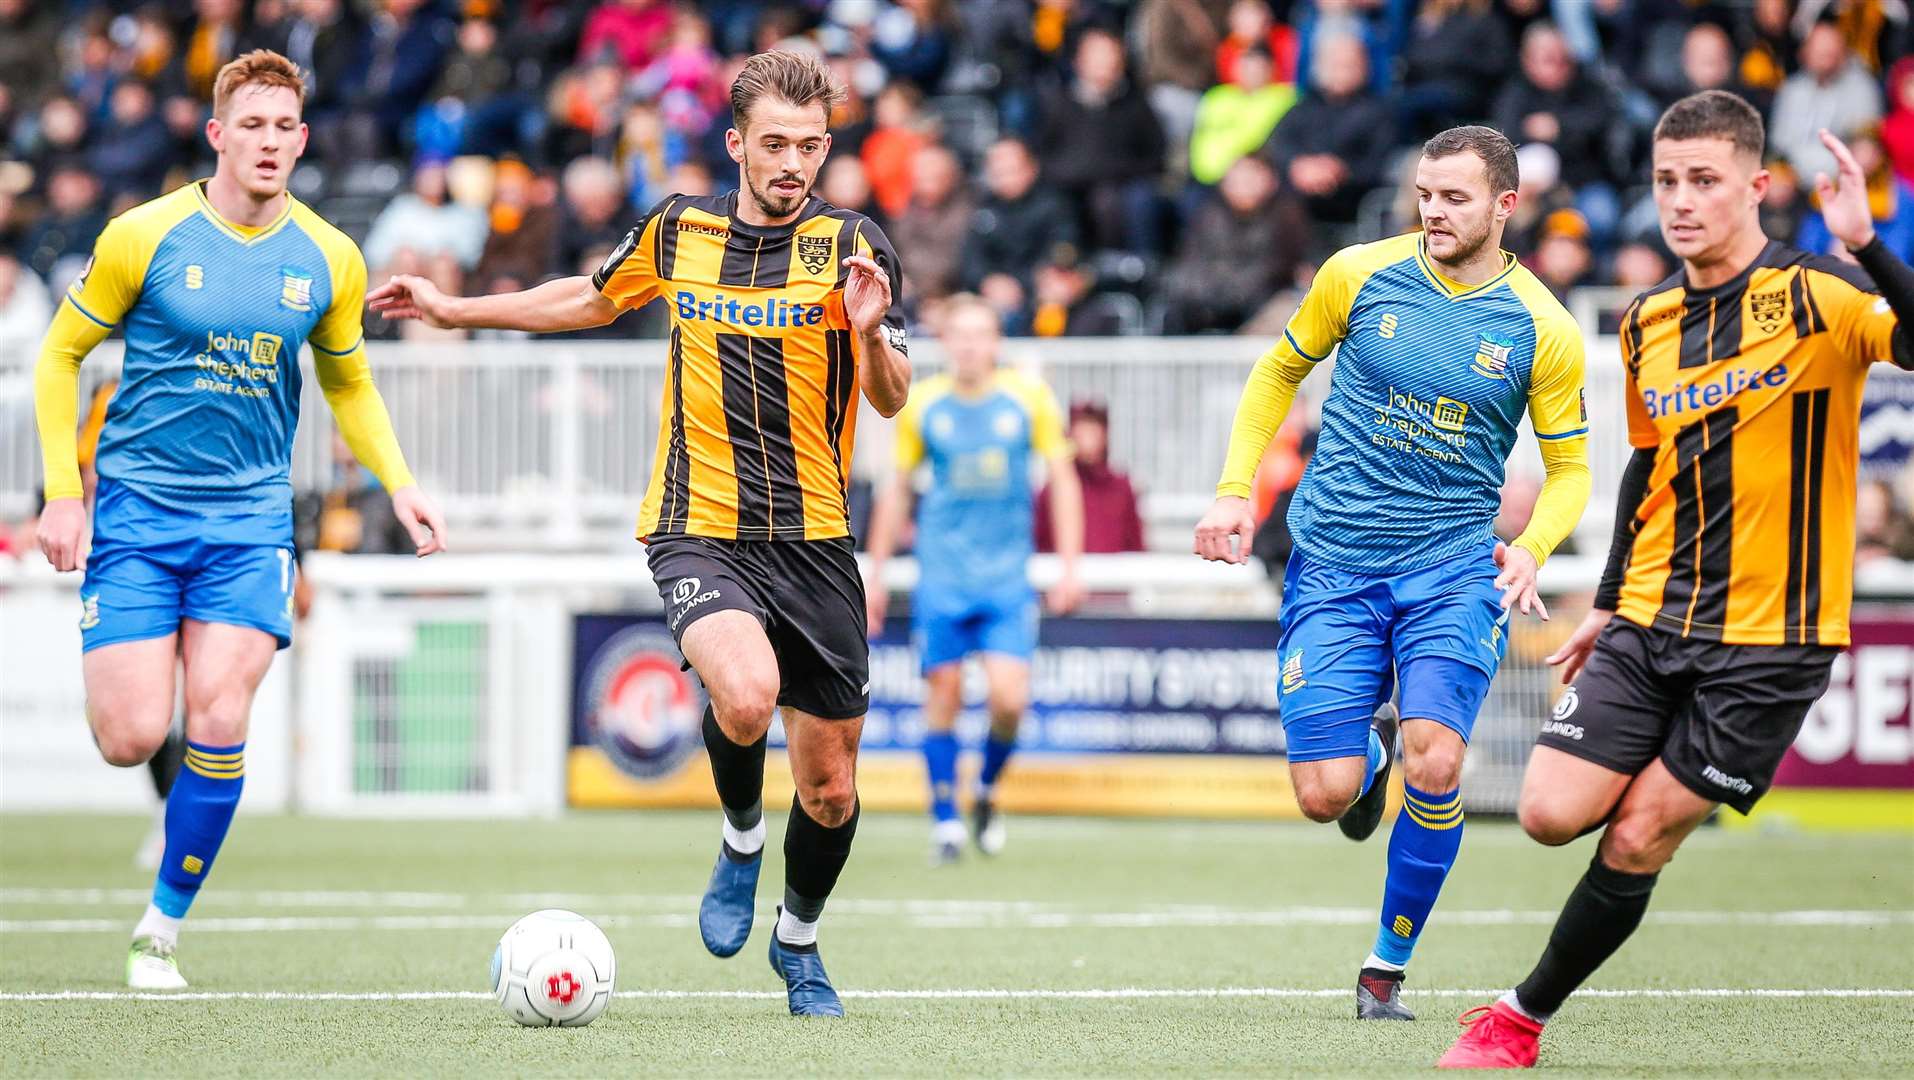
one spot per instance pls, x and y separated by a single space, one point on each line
981 429
1732 575
1442 342
781 305
218 284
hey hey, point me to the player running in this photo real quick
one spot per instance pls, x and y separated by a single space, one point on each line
978 427
781 306
1732 563
217 284
1442 340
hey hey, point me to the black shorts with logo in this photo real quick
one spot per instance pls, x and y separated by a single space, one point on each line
1719 716
807 594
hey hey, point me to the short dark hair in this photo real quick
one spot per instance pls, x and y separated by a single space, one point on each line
1714 114
1493 147
799 78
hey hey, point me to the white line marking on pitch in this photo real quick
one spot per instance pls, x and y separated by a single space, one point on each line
1117 994
1010 917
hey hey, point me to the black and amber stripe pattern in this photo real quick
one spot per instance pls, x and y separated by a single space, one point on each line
759 417
1749 393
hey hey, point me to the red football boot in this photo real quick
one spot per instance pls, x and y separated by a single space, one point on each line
1494 1037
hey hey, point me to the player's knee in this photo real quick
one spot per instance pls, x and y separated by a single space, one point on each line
745 703
829 802
1322 802
1007 708
127 745
1637 844
1435 769
1545 824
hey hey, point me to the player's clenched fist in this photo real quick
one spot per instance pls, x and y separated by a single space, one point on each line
62 533
1228 517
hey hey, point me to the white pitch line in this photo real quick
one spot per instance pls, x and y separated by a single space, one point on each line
1026 919
962 994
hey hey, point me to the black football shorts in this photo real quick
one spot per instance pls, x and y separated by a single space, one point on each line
1719 716
807 594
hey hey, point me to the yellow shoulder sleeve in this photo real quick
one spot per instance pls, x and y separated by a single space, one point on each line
910 421
1046 417
342 327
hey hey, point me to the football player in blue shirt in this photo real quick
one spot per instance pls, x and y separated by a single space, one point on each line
980 430
1442 342
217 284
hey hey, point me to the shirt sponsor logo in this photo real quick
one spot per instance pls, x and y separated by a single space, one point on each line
1693 397
1721 779
771 312
815 253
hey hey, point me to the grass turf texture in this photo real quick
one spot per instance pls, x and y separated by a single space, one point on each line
1072 905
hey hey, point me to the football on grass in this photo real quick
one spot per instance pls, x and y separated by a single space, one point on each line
553 968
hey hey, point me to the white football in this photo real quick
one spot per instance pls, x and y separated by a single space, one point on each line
553 968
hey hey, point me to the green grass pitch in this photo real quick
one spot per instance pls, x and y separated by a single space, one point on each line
1091 948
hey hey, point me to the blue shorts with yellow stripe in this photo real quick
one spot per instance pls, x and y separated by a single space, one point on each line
153 565
1350 639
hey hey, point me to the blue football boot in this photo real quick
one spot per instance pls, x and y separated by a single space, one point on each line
805 982
724 915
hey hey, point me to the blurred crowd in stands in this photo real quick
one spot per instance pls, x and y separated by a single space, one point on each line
1091 167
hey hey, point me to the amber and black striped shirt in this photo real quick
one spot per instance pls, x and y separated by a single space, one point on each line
1750 395
760 409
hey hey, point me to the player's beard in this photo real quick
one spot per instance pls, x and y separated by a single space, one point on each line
1468 246
774 206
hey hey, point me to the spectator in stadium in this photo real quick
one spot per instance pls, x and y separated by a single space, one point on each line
1882 530
1451 44
1241 247
213 40
1111 522
1277 478
844 183
353 514
1708 62
594 222
684 79
1890 197
1897 130
1235 118
1782 207
586 107
1562 259
25 308
477 70
1639 266
1064 301
1102 147
133 150
522 244
913 41
1017 223
1553 101
328 41
1539 194
59 138
934 223
409 44
1333 146
1830 91
29 50
647 150
1176 56
62 240
632 33
890 151
425 223
1251 23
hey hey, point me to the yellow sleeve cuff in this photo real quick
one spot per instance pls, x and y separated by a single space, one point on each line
362 417
1266 401
1558 508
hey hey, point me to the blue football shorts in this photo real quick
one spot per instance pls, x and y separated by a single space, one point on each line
152 565
1348 638
948 625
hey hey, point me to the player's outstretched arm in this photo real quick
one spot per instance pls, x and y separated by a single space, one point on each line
1845 209
1066 524
887 524
56 404
572 303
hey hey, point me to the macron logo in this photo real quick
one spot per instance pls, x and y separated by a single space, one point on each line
1720 779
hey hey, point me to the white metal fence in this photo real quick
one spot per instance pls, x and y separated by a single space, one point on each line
550 443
